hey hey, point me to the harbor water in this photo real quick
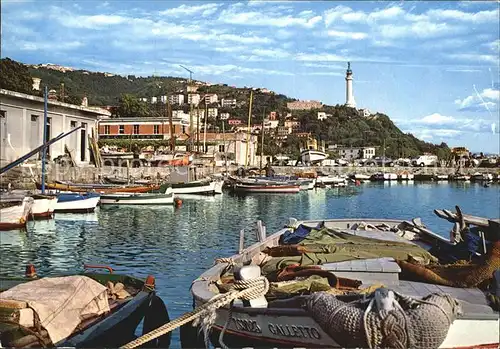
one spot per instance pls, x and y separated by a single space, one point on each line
177 244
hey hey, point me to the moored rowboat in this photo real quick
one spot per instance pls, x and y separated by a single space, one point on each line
99 188
166 198
44 206
267 188
87 310
76 202
14 213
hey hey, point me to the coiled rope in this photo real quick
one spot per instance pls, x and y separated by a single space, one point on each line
242 289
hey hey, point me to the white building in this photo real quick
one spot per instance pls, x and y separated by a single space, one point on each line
21 126
213 112
176 99
163 99
322 115
36 84
193 98
228 103
271 124
364 112
348 89
180 114
352 153
211 98
224 116
234 146
192 88
154 100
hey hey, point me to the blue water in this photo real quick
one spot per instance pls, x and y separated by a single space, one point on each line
177 245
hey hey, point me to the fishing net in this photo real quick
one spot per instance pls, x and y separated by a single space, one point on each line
412 324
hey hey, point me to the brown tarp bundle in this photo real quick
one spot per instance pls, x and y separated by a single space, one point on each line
456 275
329 246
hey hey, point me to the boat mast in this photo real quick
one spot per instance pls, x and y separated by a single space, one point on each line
171 125
248 133
205 129
198 128
262 141
44 152
224 142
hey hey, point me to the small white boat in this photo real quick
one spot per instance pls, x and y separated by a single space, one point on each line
479 177
327 180
217 184
390 176
43 206
441 177
267 188
14 213
76 202
200 187
166 198
361 177
312 157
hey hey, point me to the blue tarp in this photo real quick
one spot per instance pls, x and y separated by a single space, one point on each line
292 237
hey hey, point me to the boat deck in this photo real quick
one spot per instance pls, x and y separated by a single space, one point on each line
472 300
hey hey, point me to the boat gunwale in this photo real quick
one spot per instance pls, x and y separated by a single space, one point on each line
201 287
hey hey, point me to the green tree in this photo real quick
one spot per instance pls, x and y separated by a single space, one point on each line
15 76
129 105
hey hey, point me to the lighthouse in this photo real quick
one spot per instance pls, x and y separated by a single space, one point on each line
349 102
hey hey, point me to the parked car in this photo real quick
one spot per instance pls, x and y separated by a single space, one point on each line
425 160
379 161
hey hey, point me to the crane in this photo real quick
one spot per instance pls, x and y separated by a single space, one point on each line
190 72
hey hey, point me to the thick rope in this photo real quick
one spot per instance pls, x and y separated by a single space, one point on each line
242 289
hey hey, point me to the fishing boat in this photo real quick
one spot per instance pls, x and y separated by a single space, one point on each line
267 188
361 177
218 184
441 177
330 179
405 176
352 283
312 154
14 213
76 202
166 198
199 187
86 310
43 206
101 188
480 177
460 177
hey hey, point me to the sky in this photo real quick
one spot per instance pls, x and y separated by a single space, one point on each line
432 67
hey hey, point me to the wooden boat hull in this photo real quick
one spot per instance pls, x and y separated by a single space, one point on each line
137 199
281 189
100 189
43 207
15 217
312 156
76 203
194 188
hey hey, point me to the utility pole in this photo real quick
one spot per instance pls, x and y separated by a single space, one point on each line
205 130
262 141
191 138
248 133
170 121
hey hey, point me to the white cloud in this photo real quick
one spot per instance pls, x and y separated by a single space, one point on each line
274 53
347 35
254 18
419 29
476 17
488 98
317 57
324 66
477 58
437 118
48 45
186 10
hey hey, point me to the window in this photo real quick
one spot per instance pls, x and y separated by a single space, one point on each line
136 129
122 129
106 129
156 129
34 118
2 114
72 124
221 148
183 129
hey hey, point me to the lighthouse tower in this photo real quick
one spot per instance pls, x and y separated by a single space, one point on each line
349 102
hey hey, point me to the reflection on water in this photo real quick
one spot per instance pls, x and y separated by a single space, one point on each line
177 244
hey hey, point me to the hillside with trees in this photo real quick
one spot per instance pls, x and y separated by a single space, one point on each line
345 126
